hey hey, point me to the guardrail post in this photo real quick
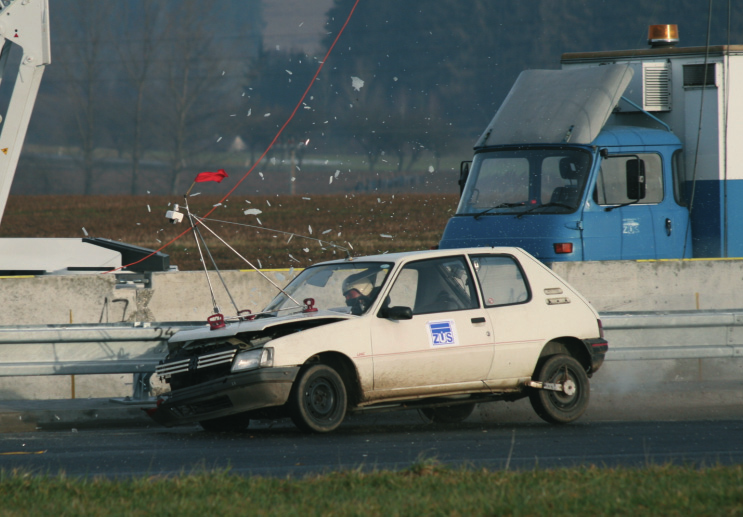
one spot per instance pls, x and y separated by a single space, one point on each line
142 390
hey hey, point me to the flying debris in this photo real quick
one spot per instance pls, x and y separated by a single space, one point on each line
357 83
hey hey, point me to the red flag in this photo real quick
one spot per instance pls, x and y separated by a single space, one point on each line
211 176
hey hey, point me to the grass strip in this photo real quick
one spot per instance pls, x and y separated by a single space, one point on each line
424 489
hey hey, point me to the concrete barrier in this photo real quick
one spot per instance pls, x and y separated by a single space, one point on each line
172 296
661 285
184 296
175 296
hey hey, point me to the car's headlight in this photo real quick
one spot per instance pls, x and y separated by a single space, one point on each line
252 359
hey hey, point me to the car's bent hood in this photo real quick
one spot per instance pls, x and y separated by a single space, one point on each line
257 325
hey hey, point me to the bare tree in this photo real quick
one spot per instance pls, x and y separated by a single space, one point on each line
89 24
137 53
193 79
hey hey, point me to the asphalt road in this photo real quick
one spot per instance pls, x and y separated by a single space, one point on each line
498 436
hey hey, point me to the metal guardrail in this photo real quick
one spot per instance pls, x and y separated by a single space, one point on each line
642 336
85 349
138 347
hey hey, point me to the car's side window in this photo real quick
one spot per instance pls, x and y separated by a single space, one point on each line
501 280
403 292
437 285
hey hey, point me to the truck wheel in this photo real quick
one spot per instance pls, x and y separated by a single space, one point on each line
318 400
226 424
560 407
448 414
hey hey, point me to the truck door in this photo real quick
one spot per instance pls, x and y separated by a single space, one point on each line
633 215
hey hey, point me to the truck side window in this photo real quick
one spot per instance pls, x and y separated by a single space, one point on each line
611 184
501 280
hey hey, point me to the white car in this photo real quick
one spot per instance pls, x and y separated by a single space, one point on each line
439 331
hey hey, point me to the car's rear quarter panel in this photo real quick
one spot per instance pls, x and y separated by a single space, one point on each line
555 312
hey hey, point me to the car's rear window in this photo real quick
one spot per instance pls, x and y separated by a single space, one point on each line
501 280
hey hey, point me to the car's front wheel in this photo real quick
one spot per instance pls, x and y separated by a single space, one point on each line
318 400
564 405
448 414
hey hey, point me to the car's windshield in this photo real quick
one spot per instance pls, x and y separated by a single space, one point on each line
349 288
513 181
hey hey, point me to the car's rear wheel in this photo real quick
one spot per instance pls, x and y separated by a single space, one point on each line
226 424
567 405
448 414
318 400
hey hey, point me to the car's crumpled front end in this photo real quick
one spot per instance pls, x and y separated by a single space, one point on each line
231 370
216 372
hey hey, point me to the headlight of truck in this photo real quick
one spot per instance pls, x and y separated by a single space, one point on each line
252 359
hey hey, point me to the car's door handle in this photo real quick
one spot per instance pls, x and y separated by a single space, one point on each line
478 320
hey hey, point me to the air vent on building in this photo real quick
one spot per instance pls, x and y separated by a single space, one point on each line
656 78
694 75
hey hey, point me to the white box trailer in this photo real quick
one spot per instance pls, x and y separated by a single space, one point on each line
695 91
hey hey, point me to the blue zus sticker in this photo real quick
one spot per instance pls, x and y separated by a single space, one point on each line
442 333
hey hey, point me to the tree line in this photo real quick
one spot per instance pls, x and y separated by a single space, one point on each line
176 82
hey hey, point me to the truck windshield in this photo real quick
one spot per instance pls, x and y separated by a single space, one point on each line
516 181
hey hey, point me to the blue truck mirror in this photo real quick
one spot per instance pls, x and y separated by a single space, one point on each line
635 179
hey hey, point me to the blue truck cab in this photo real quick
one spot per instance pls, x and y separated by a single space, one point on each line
622 197
626 154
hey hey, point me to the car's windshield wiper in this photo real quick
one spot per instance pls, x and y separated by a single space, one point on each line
543 206
502 205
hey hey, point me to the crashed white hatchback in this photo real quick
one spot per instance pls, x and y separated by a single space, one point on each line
439 331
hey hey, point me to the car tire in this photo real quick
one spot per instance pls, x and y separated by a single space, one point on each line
318 400
559 407
448 414
226 424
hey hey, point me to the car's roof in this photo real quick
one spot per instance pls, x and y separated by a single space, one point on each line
423 254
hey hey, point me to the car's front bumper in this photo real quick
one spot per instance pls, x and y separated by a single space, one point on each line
235 393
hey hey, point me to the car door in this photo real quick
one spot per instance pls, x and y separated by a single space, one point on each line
517 332
448 340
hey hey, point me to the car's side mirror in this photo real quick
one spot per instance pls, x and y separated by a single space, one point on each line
397 313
